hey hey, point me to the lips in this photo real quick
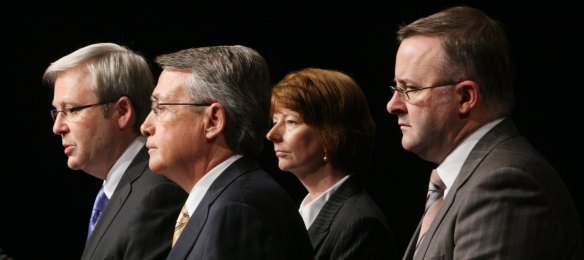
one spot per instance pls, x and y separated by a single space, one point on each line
68 149
280 153
403 124
150 147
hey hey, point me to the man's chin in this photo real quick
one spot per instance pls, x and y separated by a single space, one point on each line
406 144
73 164
155 167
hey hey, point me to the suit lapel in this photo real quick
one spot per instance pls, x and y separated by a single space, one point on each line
192 231
413 241
119 197
503 131
321 225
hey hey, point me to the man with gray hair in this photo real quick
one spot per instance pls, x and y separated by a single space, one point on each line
210 113
101 96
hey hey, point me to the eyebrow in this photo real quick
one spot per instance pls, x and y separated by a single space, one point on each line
404 82
162 96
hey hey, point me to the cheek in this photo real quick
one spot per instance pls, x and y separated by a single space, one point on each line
306 145
89 138
419 115
178 139
168 139
165 144
91 143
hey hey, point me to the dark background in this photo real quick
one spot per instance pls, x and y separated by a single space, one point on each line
45 207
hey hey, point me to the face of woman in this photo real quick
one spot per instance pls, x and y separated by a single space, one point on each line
297 145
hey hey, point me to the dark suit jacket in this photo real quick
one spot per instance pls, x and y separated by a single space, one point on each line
506 203
351 226
245 214
138 222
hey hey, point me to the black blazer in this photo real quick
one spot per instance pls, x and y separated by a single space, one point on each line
138 222
245 214
350 225
507 202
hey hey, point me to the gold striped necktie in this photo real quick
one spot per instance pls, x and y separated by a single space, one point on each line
181 222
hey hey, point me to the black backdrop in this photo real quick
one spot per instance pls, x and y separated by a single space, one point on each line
44 206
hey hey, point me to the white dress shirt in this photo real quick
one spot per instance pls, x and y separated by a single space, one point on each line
449 168
202 186
117 171
310 210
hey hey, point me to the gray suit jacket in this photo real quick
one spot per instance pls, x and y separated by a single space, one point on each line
351 226
507 202
138 222
245 214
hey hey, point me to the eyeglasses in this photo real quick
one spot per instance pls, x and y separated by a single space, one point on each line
71 114
404 92
162 113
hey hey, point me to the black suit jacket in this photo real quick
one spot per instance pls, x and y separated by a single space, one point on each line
138 222
507 202
351 226
245 214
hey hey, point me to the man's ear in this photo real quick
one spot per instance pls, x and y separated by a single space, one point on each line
215 120
469 93
124 109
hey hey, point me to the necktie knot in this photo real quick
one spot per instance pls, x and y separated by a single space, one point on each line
100 201
436 182
435 189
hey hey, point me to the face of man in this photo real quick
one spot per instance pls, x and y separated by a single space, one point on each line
175 133
428 117
86 133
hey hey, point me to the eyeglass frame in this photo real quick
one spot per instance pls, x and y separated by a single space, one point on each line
156 109
404 93
69 110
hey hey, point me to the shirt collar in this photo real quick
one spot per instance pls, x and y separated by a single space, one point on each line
449 169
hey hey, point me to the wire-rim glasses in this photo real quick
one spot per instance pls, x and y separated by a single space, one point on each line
161 114
404 92
69 113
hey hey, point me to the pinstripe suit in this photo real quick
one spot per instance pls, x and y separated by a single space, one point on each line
351 226
506 203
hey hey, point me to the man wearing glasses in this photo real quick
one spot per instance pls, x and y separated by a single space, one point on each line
498 198
210 113
101 96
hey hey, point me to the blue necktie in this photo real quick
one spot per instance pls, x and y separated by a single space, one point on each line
100 202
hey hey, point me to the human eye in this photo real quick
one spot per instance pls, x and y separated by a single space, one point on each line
410 88
155 108
158 108
404 89
274 121
70 110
